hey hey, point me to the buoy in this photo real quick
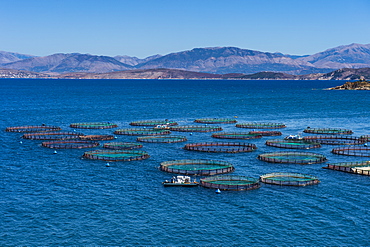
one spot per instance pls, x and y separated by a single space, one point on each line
365 144
20 142
107 165
191 134
218 191
55 152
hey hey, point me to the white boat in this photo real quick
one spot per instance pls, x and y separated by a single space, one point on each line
293 137
184 181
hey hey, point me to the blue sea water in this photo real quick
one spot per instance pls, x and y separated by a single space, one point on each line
64 200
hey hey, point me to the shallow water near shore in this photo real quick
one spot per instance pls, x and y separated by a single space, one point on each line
62 199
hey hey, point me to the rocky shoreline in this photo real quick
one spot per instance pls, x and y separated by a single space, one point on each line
362 84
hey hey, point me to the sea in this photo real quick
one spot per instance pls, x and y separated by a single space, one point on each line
62 199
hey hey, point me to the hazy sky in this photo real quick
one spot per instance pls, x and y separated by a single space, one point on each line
147 27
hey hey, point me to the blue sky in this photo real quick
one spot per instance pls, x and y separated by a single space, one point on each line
147 27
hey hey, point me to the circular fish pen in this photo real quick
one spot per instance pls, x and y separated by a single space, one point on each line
196 128
215 120
162 139
289 179
97 137
266 133
365 137
293 144
360 167
199 167
221 147
142 132
93 125
37 128
152 123
261 125
116 155
70 144
230 182
302 158
53 136
122 145
328 131
353 151
236 135
336 140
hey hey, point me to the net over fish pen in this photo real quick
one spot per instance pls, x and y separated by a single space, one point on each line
353 151
230 182
302 158
37 128
70 144
336 140
162 139
152 123
293 144
360 167
93 125
236 135
261 125
221 147
122 145
199 167
53 136
196 128
289 179
328 131
142 132
116 155
266 133
97 137
215 120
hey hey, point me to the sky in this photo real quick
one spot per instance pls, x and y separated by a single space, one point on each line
143 28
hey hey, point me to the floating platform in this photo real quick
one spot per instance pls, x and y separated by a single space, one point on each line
352 151
70 144
53 136
162 139
122 145
93 125
261 125
302 158
289 179
142 132
153 123
196 128
266 133
293 144
200 167
360 167
215 120
32 128
230 182
328 131
97 137
336 140
236 135
221 147
116 155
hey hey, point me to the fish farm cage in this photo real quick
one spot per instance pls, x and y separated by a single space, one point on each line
236 135
352 151
162 139
153 123
328 131
261 125
52 136
93 125
215 120
289 179
365 137
303 158
196 128
221 147
142 132
230 182
293 144
360 167
97 137
266 133
37 128
336 140
199 167
116 155
70 144
122 145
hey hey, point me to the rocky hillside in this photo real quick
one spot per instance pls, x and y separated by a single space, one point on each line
9 57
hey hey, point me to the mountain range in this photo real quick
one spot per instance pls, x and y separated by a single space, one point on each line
213 60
